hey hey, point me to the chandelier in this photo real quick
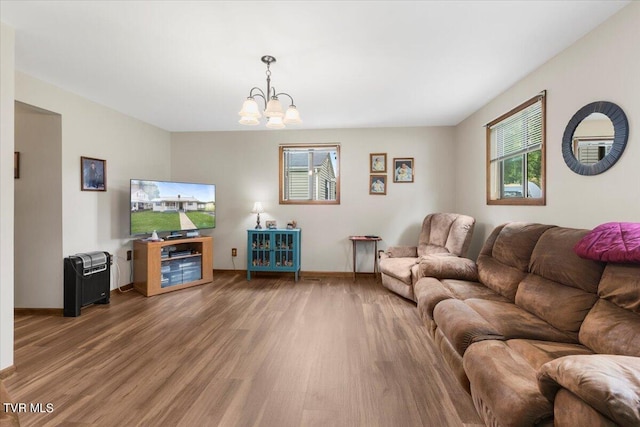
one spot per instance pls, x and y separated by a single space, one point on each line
276 118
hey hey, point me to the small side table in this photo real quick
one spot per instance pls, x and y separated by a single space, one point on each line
375 240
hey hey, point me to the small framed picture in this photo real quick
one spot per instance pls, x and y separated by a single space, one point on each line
16 164
403 169
271 225
378 162
93 174
378 184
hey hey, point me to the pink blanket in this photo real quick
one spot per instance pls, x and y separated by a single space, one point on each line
611 242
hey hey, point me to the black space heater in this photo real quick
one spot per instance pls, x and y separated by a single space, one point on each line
86 281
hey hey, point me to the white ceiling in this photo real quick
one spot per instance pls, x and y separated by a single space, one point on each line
188 65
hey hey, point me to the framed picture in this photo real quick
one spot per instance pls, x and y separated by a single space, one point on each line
271 224
378 162
16 164
93 174
403 170
378 184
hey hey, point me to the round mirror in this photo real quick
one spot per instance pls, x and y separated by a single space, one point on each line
595 138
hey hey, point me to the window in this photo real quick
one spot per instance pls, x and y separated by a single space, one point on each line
516 155
310 174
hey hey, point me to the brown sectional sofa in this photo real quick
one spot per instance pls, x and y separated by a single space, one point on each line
536 334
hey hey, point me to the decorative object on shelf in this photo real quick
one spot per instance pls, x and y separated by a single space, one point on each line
93 174
276 118
378 163
403 169
257 209
378 184
16 165
292 224
271 225
588 153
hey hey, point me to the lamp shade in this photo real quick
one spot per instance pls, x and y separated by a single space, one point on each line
274 108
257 208
250 109
292 116
275 123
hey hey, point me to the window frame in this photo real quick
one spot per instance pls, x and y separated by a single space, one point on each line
522 201
281 181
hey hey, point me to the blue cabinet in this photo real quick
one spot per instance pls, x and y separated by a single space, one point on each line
273 250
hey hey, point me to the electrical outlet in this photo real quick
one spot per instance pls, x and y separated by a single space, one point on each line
234 252
129 255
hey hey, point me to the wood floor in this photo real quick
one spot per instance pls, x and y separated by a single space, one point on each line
270 352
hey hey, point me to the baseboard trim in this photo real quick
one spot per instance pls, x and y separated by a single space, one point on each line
7 372
38 311
303 273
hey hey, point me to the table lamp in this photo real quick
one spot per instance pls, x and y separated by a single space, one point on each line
257 209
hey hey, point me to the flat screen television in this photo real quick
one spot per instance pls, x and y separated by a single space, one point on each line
171 207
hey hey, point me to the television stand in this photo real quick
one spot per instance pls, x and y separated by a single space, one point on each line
160 267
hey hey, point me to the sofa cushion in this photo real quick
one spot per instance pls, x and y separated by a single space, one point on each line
562 306
449 231
609 329
620 284
499 277
516 242
612 242
515 322
461 325
429 291
464 289
504 259
561 287
608 383
504 386
537 353
553 258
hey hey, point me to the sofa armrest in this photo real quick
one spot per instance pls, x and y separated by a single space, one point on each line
608 383
402 252
443 266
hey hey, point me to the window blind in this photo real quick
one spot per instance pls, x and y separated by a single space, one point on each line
517 134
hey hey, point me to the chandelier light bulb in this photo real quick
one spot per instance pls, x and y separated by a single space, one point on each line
250 109
275 123
292 116
274 108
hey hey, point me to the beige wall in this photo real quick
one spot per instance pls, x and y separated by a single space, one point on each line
603 66
93 221
7 57
244 166
38 208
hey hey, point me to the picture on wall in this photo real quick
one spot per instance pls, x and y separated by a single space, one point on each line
378 162
16 164
93 174
378 184
403 169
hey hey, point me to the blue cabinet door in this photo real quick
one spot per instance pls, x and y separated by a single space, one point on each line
273 250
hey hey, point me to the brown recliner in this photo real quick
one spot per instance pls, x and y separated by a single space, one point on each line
442 233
